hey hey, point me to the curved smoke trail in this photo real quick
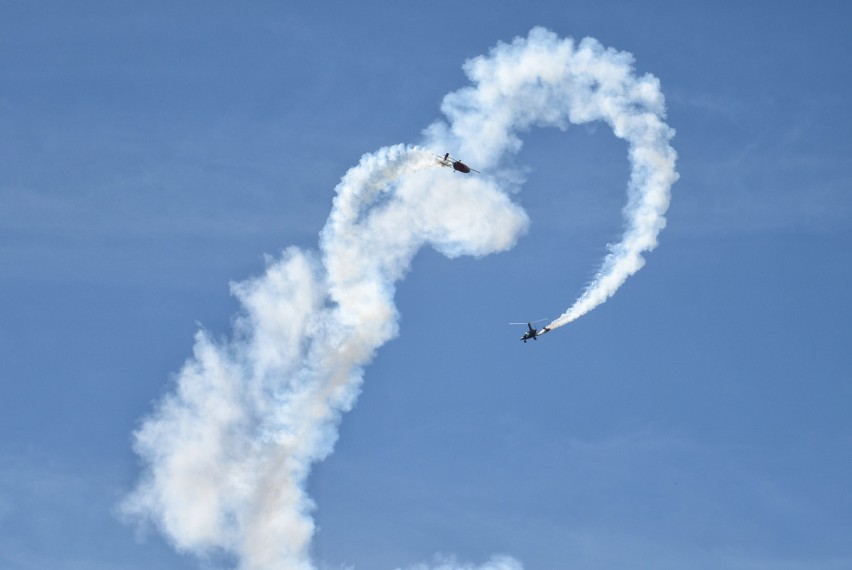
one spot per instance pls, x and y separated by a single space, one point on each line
229 450
544 81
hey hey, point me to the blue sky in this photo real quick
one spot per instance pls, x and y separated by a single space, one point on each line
150 155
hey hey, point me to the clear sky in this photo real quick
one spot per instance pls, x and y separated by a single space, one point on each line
152 153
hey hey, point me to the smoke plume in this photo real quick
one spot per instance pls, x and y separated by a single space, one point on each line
229 449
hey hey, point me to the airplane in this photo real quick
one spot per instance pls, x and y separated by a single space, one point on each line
532 333
456 165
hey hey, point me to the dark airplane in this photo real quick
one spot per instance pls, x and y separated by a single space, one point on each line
456 165
532 333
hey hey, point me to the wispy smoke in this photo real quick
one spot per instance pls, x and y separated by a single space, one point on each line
229 450
450 563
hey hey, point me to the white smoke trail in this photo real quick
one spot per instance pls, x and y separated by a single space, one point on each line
228 452
544 81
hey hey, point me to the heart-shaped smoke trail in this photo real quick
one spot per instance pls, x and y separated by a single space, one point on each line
229 450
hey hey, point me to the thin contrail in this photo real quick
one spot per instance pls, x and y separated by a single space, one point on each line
228 451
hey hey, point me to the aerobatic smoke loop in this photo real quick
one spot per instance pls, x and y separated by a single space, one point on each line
228 452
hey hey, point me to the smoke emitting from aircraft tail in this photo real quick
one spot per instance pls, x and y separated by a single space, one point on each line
229 450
